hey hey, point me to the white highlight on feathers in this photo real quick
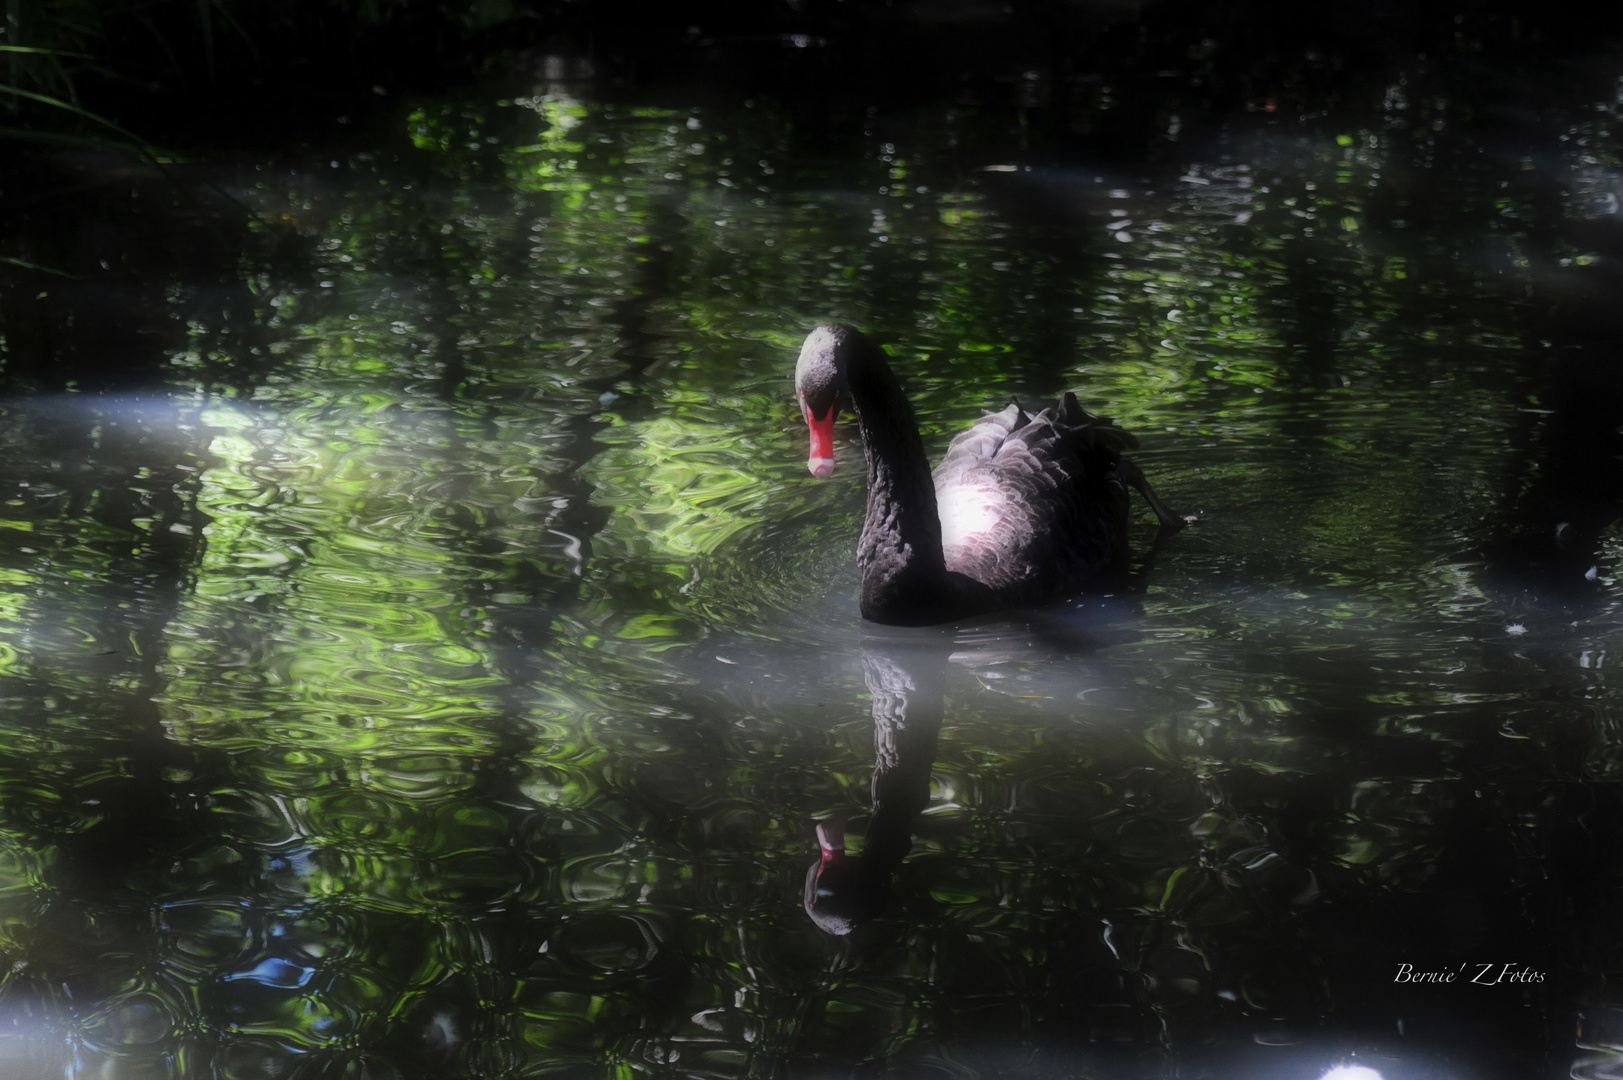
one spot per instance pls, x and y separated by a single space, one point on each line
969 512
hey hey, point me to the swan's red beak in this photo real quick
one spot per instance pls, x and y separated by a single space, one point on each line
821 459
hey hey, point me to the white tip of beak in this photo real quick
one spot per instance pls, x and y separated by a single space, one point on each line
821 467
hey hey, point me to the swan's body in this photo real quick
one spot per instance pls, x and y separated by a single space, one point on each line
1021 510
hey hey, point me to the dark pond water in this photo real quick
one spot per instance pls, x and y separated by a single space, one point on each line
424 652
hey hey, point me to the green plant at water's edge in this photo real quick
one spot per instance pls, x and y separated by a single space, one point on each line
39 40
44 48
53 53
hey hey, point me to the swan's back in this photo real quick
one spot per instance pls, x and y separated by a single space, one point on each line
1030 505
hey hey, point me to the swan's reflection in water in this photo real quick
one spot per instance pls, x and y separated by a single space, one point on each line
906 673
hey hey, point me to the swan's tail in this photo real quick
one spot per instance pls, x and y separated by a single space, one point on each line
1102 431
1098 431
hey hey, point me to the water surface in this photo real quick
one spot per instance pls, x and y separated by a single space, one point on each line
438 664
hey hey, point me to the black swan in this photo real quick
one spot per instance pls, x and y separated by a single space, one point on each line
1021 510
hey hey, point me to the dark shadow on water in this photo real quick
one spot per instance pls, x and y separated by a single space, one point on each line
1549 541
123 267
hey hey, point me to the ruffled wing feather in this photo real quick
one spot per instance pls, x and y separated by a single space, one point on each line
1030 506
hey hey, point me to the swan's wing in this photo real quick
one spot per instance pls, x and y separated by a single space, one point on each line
1029 503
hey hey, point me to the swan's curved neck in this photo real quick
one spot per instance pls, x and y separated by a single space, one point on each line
904 574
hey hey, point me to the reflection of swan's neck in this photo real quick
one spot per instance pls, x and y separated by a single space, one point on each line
907 708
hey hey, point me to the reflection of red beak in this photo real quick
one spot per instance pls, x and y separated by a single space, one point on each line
821 458
831 839
838 897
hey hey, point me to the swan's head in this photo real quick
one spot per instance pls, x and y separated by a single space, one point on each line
838 895
820 384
